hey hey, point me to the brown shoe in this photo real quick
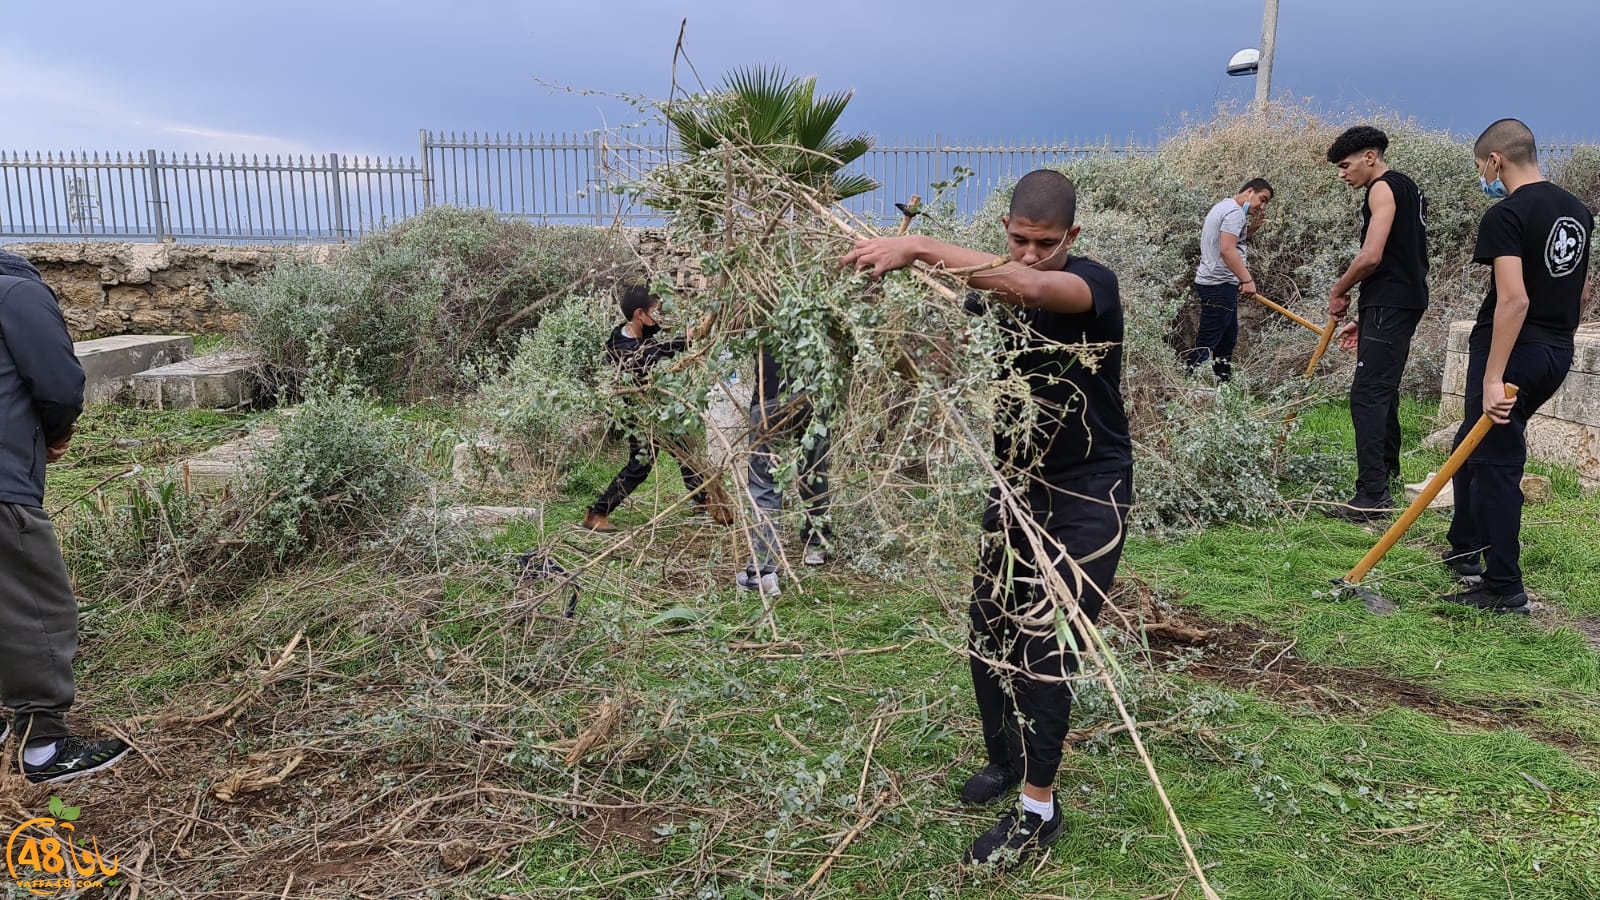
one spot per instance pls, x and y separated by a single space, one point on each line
593 521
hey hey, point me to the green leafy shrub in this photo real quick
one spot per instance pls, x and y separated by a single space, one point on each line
417 301
554 389
338 471
338 467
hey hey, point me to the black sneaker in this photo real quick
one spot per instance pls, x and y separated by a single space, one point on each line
989 784
1464 565
1361 510
5 730
76 757
1015 839
1486 599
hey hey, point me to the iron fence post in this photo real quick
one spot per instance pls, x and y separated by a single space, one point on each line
597 185
427 170
158 210
336 195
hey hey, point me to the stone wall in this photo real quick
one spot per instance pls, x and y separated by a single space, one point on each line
1567 429
140 288
135 288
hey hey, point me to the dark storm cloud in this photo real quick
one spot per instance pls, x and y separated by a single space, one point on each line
363 76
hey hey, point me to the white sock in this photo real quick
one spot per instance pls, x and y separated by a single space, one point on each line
1044 809
38 756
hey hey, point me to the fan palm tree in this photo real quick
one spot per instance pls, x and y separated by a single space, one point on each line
775 124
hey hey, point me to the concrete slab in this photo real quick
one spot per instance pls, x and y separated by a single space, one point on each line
215 381
1566 430
109 363
224 464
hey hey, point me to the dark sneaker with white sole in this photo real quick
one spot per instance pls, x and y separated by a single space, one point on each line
1486 599
1016 838
5 730
76 757
989 784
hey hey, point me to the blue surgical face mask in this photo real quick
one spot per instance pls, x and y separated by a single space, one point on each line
1495 189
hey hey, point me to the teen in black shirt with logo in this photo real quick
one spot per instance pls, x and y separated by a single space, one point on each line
1536 242
1068 484
1392 270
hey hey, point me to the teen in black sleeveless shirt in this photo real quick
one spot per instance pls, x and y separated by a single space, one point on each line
1391 270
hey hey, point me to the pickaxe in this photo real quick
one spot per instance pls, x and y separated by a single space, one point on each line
1352 580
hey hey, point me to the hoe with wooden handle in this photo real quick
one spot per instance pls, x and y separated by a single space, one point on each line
1352 580
1283 310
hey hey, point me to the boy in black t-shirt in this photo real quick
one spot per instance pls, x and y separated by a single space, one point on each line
1392 270
1536 242
1067 476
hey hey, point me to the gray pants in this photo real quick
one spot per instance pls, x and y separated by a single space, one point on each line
38 624
770 423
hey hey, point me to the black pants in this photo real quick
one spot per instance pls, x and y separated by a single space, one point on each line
1020 663
1375 395
38 624
1488 489
1219 328
641 459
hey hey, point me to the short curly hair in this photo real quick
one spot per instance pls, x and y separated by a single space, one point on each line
1357 139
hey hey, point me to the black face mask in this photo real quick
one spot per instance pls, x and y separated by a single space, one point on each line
649 331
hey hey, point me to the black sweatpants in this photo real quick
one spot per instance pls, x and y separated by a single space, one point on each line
38 624
1385 343
641 459
1014 635
1488 488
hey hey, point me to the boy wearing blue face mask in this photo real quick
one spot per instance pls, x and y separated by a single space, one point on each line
1392 270
1536 242
634 350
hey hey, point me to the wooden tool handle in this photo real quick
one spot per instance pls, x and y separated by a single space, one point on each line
1285 311
1430 491
1322 345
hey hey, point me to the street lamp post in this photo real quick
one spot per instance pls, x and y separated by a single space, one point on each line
1269 37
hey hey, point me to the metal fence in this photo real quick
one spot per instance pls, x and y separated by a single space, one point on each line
562 178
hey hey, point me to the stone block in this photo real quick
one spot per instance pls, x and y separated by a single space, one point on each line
493 516
224 464
1445 499
1454 382
489 462
110 363
1536 489
216 381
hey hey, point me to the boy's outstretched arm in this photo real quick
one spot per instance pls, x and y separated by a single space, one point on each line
1013 282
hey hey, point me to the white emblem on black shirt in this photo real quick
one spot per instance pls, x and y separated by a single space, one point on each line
1564 248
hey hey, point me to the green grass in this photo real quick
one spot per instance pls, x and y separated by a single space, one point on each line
745 745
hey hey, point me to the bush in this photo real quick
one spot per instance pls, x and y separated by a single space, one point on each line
552 390
1141 215
417 301
338 467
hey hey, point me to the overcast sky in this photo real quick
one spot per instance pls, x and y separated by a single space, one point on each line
362 76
